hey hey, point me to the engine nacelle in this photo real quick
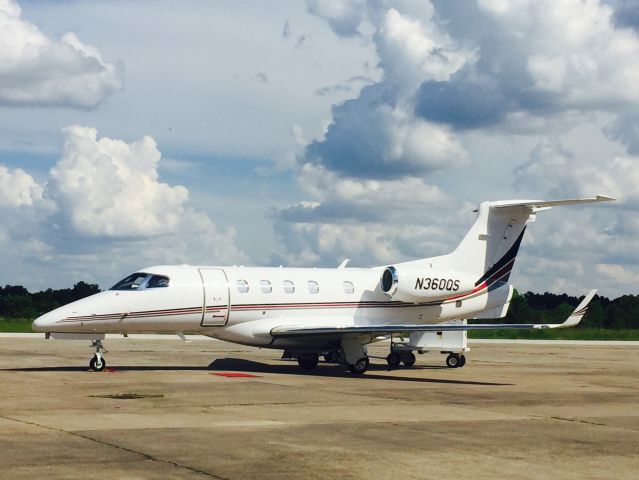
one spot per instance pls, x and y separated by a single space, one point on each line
422 284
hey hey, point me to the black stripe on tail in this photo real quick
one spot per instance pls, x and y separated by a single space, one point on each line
501 269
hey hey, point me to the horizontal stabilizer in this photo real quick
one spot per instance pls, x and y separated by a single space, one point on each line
299 331
535 204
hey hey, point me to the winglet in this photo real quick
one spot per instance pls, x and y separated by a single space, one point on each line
577 314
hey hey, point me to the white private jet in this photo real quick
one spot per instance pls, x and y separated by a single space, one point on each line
334 312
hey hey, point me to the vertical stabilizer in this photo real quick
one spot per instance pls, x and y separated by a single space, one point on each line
489 249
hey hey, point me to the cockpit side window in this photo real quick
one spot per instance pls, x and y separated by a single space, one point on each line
157 281
132 282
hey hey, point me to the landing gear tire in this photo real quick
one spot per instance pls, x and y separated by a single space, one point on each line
393 359
97 363
409 359
452 361
462 361
360 366
332 357
307 361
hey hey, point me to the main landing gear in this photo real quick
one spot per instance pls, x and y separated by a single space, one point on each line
351 354
394 359
360 366
97 363
307 361
455 360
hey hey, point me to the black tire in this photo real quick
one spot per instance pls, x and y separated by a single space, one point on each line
462 361
307 361
332 357
360 366
97 366
409 359
452 361
393 360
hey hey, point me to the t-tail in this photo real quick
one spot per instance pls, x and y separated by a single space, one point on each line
483 260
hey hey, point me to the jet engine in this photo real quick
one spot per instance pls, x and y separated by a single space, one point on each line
422 284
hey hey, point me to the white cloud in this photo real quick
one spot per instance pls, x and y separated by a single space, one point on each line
109 187
18 188
343 16
38 71
104 212
619 274
413 50
555 171
377 135
327 186
367 245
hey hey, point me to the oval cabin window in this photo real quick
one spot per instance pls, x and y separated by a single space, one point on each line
265 285
348 287
313 287
288 286
242 286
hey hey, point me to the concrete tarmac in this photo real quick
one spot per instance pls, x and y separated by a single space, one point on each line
163 410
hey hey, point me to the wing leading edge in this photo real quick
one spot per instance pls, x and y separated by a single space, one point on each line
298 331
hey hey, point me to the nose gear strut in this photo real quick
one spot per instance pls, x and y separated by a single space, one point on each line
97 363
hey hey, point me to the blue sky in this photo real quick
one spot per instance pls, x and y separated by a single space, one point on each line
306 132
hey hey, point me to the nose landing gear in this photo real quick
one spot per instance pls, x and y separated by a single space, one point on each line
97 363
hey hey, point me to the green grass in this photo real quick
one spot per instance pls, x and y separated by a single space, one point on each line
24 325
559 334
15 325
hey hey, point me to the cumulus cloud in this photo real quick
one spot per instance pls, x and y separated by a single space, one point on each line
377 135
328 244
469 82
540 58
328 185
344 17
38 71
18 188
556 172
104 211
371 138
108 187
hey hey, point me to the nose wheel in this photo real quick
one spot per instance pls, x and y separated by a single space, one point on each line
97 363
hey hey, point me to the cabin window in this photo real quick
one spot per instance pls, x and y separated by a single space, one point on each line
132 282
266 287
158 281
348 287
242 286
288 286
313 287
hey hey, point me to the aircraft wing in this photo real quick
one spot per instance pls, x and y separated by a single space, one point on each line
300 331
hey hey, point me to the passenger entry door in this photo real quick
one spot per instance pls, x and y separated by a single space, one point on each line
216 297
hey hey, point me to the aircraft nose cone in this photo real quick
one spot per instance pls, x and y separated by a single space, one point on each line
43 322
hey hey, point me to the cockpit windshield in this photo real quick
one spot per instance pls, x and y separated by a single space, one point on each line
141 280
157 281
132 282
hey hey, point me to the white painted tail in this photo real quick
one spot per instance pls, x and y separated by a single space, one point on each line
489 249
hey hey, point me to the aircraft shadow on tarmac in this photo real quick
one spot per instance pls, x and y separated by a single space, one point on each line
284 368
333 370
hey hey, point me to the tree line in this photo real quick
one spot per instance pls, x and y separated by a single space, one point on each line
622 312
16 302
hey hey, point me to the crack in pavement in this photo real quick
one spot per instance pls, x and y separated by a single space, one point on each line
578 420
119 447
